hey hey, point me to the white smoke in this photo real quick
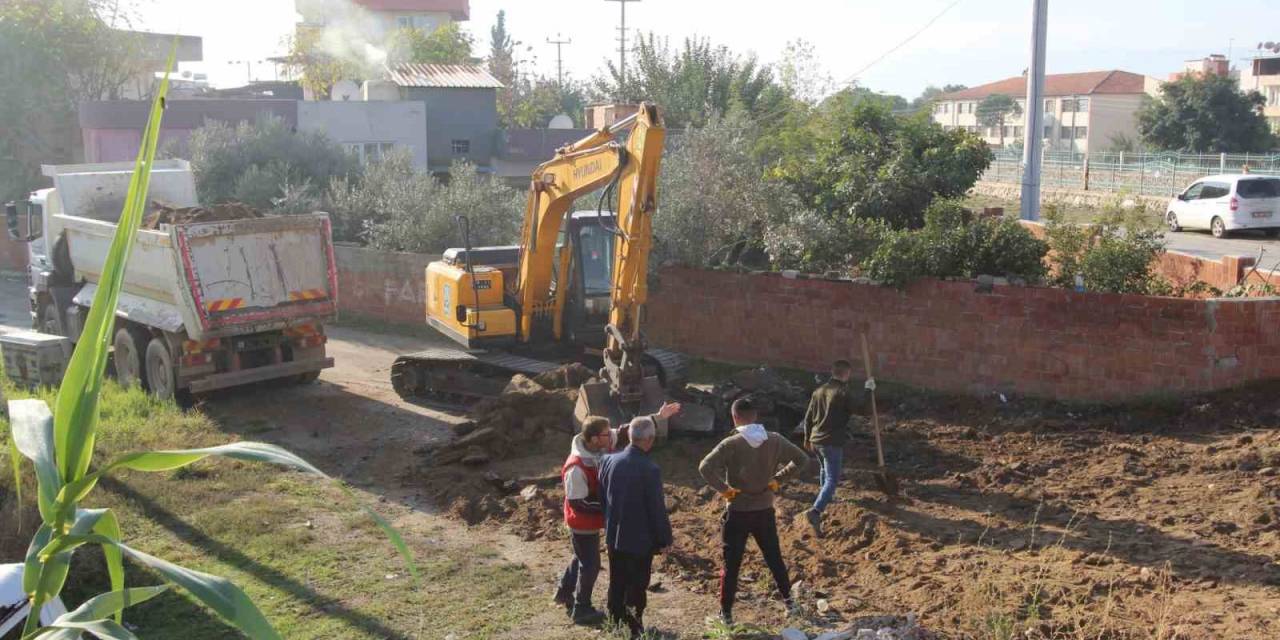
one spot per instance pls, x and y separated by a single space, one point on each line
350 32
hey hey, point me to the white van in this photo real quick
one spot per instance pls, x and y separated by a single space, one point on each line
1227 203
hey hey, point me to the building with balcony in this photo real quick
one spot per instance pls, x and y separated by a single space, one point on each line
1262 74
1082 111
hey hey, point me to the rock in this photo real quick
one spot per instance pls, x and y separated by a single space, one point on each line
521 383
836 635
1267 471
475 458
865 634
884 568
529 493
1224 527
823 605
475 437
792 633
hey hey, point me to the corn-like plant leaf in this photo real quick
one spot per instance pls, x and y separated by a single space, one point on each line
49 557
72 630
109 527
77 409
103 605
15 461
218 593
31 427
75 491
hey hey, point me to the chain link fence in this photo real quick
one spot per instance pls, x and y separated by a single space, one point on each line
1152 174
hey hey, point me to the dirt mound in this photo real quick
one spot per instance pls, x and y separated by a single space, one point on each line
164 214
518 421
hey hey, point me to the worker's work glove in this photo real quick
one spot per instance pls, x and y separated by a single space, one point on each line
773 486
870 384
729 494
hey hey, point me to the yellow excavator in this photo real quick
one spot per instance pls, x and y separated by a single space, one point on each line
571 291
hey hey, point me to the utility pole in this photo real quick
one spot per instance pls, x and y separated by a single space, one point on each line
1031 151
622 48
559 60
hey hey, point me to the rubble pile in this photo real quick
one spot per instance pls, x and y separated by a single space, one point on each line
782 402
517 421
162 213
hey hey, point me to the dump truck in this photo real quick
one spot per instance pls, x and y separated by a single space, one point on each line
205 305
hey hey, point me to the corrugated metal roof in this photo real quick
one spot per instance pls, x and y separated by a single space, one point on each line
452 76
459 9
1060 84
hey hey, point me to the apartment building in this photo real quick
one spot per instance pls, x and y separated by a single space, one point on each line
1262 74
1082 111
377 18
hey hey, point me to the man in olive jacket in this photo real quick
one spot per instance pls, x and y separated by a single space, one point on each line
746 469
826 428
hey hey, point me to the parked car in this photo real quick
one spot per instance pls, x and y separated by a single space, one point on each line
1227 203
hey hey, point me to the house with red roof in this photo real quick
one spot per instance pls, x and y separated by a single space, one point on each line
1082 111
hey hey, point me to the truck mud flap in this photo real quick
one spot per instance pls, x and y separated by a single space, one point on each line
258 374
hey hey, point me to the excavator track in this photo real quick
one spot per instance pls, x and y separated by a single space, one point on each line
459 377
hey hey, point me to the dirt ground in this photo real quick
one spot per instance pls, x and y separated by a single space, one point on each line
1149 522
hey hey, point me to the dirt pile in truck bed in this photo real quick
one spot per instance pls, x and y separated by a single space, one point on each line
162 213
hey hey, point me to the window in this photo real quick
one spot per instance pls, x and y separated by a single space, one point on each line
1048 131
1259 188
1079 105
1273 96
1065 133
367 152
1214 190
596 245
1082 133
1193 192
1049 105
404 22
460 147
1017 132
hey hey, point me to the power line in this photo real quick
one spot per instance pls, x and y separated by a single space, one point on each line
854 78
559 60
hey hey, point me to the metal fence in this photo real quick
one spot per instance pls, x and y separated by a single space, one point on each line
1153 174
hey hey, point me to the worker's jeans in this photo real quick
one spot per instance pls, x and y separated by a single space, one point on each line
579 578
830 459
738 526
628 588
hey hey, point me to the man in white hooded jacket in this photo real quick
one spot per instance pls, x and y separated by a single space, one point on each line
746 468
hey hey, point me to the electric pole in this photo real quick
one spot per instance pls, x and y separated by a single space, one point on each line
622 48
1031 150
559 60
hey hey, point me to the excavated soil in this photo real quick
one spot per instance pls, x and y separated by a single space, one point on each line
1054 522
164 214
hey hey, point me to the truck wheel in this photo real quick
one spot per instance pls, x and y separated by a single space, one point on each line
161 375
50 323
128 358
308 377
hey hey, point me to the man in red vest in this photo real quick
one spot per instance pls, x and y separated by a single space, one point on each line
584 515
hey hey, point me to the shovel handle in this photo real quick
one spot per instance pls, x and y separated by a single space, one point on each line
875 415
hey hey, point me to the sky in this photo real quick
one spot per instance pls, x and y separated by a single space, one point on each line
971 42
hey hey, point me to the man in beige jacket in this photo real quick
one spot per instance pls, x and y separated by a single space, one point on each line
746 468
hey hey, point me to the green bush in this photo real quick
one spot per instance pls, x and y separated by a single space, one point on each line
1115 254
955 243
251 162
396 207
813 243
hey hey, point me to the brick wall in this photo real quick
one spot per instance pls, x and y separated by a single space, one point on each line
947 336
389 287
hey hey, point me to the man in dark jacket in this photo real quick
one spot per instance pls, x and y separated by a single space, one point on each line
746 468
826 428
635 523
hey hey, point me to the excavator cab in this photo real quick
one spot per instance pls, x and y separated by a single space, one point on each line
590 265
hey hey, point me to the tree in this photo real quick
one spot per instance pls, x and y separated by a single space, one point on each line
502 64
54 56
713 204
447 44
694 83
319 64
801 74
995 110
855 159
931 93
1200 113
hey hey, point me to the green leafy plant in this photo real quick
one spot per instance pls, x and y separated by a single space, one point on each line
60 447
1115 254
956 243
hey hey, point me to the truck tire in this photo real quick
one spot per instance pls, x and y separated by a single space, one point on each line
162 376
63 270
308 377
128 357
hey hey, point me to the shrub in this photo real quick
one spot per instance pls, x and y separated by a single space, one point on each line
251 162
1115 254
399 208
955 243
813 243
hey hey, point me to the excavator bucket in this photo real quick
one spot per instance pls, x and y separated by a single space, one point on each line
596 399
